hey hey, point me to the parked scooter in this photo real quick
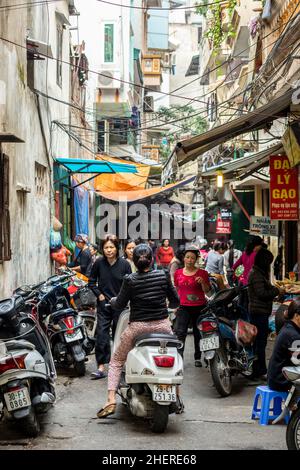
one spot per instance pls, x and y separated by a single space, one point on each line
220 343
50 304
84 301
27 370
292 402
64 327
153 369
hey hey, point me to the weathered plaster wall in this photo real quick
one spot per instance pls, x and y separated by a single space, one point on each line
30 213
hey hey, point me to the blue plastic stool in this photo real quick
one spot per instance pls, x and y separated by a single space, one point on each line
267 395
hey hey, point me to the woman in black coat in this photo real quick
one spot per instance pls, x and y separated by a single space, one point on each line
261 295
289 337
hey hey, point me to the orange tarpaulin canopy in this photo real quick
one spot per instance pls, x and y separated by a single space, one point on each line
119 181
138 194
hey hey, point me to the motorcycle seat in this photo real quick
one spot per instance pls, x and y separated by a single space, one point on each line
9 306
19 344
155 339
67 312
228 322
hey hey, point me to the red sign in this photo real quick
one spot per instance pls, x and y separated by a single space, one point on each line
284 200
223 225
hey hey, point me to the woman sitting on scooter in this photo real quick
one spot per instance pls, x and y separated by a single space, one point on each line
147 291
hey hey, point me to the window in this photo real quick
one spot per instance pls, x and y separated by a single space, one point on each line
101 136
200 34
5 252
119 131
108 43
40 180
59 49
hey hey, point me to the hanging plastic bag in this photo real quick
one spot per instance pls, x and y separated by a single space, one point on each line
57 225
55 240
245 333
70 245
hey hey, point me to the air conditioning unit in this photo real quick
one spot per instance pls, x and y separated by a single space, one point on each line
108 79
148 104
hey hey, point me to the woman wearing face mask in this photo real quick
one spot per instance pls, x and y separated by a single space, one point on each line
128 253
192 284
147 290
106 281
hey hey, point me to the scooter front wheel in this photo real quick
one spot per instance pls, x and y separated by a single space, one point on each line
160 418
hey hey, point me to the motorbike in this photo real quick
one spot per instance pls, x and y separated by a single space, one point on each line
292 402
153 369
50 303
84 301
225 353
27 371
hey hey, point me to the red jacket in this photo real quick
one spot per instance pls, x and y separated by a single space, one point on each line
164 256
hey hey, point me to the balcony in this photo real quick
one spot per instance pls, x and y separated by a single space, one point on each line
151 152
152 70
152 3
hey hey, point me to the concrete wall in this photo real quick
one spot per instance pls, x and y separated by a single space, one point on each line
30 213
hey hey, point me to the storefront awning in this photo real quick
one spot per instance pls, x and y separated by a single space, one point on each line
190 149
131 196
76 165
243 167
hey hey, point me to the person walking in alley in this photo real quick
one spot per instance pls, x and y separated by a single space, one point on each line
128 253
105 281
147 291
247 259
215 263
83 261
192 284
230 257
177 262
261 295
164 254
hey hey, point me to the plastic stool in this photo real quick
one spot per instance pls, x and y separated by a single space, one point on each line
267 395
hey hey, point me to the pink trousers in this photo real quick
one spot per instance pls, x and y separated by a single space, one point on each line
132 331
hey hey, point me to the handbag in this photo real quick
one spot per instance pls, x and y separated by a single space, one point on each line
245 332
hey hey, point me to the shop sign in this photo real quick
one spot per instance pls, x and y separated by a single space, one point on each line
223 225
291 143
263 226
226 214
283 189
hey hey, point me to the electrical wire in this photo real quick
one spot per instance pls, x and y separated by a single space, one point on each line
121 80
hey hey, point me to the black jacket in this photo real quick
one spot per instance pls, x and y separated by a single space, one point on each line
106 279
261 292
281 356
147 293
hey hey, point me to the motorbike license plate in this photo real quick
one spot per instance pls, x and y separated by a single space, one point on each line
164 393
207 344
73 337
17 399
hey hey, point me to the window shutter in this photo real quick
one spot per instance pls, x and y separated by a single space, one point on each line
5 252
6 225
1 206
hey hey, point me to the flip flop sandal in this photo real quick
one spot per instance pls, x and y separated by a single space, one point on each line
107 411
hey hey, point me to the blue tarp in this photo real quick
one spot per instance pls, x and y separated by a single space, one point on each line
76 165
81 208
